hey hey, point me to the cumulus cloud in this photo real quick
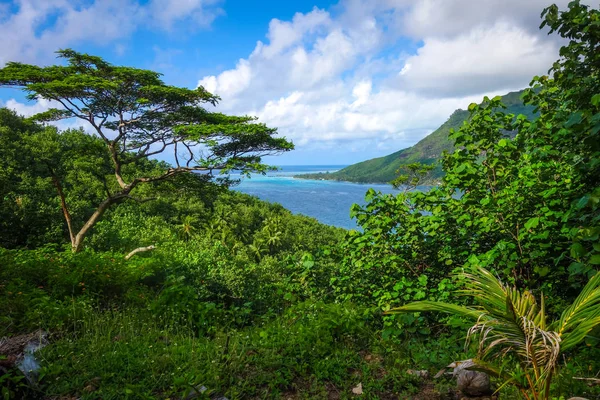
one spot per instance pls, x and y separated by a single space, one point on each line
40 105
385 71
363 74
450 18
164 13
32 29
32 108
502 56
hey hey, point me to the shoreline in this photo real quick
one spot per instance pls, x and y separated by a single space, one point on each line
310 177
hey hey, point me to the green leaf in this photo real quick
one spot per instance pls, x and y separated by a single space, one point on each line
583 201
420 306
532 223
577 250
575 119
576 268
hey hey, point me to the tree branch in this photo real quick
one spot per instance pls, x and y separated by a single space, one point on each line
139 250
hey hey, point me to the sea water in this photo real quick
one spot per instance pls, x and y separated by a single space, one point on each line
327 201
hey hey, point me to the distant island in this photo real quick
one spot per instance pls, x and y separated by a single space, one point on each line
427 151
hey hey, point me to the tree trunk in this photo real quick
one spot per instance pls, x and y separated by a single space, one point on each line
77 241
63 203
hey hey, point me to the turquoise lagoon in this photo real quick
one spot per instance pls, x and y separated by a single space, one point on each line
327 201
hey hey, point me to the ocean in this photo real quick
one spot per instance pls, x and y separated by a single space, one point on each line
327 201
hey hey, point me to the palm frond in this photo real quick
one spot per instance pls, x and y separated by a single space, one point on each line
581 316
419 306
510 322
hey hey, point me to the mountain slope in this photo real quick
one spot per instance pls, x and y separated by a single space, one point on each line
428 151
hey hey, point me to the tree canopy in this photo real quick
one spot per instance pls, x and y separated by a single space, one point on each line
137 115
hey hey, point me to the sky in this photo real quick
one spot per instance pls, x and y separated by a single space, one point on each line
344 80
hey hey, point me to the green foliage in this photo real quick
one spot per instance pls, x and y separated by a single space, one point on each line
393 260
412 175
50 290
29 212
519 196
313 349
253 302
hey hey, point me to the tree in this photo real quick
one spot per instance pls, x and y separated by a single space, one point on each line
28 212
524 205
569 104
512 326
137 116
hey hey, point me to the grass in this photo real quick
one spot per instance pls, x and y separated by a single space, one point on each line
305 353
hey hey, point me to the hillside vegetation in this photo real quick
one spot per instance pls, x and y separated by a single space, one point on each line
429 150
145 280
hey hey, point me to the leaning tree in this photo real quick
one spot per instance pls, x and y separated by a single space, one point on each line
138 116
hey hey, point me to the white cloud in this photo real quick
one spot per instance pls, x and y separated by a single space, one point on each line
378 73
310 51
36 28
32 108
164 13
361 93
384 72
284 34
449 18
230 82
499 57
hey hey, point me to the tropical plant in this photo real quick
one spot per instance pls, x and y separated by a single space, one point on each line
188 227
511 325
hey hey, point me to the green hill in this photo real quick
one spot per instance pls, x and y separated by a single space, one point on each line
427 151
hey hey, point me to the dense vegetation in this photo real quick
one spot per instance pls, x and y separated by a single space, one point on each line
136 116
427 151
249 301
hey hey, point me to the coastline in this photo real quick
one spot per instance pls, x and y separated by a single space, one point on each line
328 177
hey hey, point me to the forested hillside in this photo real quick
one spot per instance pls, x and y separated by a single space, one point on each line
124 277
427 151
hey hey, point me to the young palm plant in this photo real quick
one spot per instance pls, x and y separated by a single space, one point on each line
511 324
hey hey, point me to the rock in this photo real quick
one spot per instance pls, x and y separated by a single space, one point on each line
358 389
420 373
29 365
200 389
14 347
473 383
18 352
195 392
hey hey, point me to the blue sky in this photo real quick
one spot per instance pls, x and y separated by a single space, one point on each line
345 81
